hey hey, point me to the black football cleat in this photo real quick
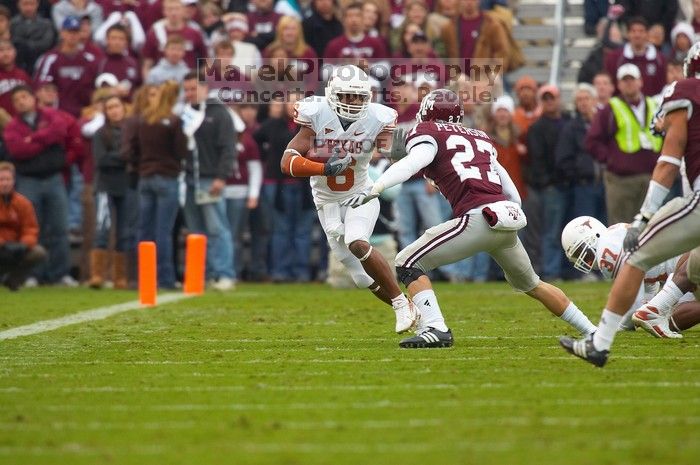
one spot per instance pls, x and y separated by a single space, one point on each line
428 339
584 348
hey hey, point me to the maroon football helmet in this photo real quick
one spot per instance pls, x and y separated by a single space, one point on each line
691 64
441 105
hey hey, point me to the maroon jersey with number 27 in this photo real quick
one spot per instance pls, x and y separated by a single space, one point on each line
463 168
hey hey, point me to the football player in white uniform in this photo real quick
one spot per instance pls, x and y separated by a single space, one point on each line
589 245
345 125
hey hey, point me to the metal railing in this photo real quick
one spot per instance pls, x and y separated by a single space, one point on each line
558 49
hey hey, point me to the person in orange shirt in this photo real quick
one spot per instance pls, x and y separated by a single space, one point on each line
527 111
19 232
505 136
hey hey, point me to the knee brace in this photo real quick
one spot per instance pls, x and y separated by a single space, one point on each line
407 275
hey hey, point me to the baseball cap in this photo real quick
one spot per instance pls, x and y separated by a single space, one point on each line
628 69
548 89
237 22
503 102
106 79
71 23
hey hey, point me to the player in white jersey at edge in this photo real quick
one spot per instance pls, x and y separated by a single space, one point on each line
589 246
346 126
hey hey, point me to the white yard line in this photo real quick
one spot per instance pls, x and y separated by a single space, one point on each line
81 317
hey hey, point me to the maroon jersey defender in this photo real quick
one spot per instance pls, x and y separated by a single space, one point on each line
464 169
486 205
685 94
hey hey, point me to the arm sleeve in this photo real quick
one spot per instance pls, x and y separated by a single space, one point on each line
419 156
255 177
100 34
138 35
509 189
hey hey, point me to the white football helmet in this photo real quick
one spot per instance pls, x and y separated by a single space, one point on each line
349 79
579 239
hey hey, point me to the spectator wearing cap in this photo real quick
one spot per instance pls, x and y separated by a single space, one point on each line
578 167
322 26
19 232
604 88
640 52
130 23
355 43
620 138
212 141
172 66
244 54
527 111
242 192
174 23
72 69
118 63
263 21
290 36
10 77
154 146
546 200
506 138
682 38
38 141
78 8
31 33
439 30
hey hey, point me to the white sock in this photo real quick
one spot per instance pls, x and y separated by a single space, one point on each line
607 328
577 319
431 316
666 299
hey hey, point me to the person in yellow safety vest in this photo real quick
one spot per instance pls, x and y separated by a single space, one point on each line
620 137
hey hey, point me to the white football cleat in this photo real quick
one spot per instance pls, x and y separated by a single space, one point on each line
406 316
649 320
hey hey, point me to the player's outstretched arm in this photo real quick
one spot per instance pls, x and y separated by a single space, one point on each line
295 164
665 173
420 156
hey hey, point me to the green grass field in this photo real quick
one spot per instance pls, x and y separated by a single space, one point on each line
307 375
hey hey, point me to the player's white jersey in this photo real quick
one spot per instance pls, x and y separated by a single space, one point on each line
315 113
609 253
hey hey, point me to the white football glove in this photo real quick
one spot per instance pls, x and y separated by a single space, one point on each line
363 197
398 145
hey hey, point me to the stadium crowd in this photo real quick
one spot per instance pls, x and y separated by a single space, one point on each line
112 138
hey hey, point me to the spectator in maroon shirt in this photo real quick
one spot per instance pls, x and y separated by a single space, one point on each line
440 30
72 69
118 62
86 42
10 77
262 23
481 34
290 37
374 21
639 51
355 43
174 22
